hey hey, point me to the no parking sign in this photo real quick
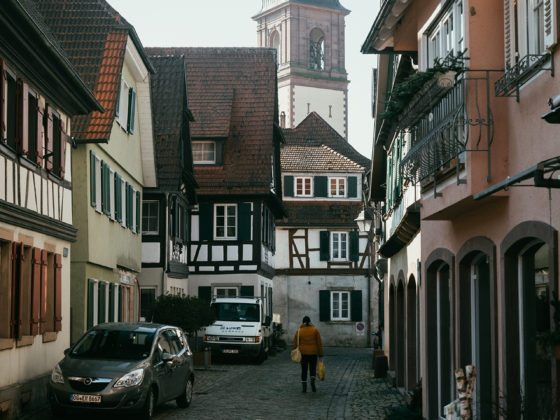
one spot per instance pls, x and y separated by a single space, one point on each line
360 328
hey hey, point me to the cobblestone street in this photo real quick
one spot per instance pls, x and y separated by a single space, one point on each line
273 391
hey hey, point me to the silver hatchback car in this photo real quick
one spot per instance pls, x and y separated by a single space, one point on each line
124 367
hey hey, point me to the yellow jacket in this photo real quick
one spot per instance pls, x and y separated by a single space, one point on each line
309 340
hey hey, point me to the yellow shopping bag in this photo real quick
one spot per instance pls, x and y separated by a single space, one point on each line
321 370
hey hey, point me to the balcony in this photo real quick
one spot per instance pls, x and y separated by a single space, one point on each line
459 120
514 77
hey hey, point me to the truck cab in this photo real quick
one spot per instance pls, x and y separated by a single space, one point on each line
242 327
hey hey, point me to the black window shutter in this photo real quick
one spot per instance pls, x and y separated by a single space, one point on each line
131 109
219 148
138 201
324 243
354 246
119 318
244 222
356 305
90 308
111 302
320 185
247 291
205 293
324 305
92 178
352 186
288 186
101 306
206 217
118 104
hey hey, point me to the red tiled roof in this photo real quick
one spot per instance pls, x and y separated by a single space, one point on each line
314 131
232 93
321 213
94 37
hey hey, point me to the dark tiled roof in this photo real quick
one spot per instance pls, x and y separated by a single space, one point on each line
94 36
321 213
314 131
246 78
169 108
315 159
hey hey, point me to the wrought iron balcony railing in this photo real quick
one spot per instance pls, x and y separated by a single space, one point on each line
514 77
460 121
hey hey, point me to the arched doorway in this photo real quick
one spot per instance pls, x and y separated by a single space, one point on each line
530 275
392 328
411 335
400 334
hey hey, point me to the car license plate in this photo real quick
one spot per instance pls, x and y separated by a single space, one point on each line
85 398
231 351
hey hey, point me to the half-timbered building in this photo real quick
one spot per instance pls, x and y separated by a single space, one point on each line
114 156
322 259
164 209
40 93
235 141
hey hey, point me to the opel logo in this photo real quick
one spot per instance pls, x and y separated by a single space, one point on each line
87 381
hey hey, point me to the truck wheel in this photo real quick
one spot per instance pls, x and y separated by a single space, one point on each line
261 356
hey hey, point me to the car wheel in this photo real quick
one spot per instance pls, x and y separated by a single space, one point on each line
185 399
57 411
149 405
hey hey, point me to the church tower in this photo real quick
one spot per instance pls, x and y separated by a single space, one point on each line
309 39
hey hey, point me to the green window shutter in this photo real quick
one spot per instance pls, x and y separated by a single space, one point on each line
131 109
90 308
118 197
288 186
205 293
352 186
247 291
101 303
320 184
111 302
244 221
137 211
356 305
324 243
219 148
324 305
354 246
92 178
206 220
119 317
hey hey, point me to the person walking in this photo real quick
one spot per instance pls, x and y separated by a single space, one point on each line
311 348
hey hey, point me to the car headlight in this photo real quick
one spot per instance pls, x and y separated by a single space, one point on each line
56 375
130 379
252 339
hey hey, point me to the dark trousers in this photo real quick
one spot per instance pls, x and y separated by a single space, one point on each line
308 361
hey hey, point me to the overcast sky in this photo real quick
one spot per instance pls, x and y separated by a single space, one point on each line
228 23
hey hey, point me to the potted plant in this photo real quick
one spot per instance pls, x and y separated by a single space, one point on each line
549 341
191 314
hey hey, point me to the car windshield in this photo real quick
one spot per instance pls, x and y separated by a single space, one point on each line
114 344
236 311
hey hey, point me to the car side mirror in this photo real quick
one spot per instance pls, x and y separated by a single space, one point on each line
66 351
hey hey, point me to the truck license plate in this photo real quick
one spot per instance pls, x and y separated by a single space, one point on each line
231 351
85 398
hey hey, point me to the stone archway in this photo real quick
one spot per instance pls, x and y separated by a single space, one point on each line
392 327
400 335
411 334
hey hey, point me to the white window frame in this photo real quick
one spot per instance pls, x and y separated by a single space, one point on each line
98 196
337 311
151 232
338 180
226 225
208 161
305 180
112 193
123 203
123 105
226 289
339 246
440 41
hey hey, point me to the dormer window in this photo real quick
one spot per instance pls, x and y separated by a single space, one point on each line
337 187
303 186
317 50
126 107
204 152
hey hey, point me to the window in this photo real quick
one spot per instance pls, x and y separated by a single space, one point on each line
225 221
225 291
337 187
339 246
446 36
11 111
275 43
303 186
150 217
317 50
126 107
204 152
147 302
340 306
268 229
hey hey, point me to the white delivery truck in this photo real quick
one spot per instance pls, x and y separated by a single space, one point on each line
242 327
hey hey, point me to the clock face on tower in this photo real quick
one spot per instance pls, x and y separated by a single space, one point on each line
309 39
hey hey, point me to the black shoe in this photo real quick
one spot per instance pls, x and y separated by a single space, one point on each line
313 385
304 387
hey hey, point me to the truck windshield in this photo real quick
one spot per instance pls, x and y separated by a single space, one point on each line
236 311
